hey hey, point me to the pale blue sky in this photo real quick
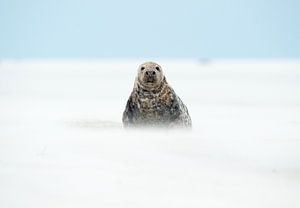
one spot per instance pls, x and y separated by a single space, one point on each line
157 28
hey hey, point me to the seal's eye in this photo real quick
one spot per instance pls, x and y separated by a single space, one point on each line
142 68
157 68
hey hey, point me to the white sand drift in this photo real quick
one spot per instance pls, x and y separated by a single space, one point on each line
62 143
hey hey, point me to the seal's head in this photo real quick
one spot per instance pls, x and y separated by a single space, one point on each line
150 75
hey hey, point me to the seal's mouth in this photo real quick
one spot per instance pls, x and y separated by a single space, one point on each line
149 79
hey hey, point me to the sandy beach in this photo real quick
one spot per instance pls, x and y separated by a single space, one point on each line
62 143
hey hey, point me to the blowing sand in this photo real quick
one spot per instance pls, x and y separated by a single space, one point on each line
62 143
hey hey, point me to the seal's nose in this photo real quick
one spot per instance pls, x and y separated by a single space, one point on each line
150 73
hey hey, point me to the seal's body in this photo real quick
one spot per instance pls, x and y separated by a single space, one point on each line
153 103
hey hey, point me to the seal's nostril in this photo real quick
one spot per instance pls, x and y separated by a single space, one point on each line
150 73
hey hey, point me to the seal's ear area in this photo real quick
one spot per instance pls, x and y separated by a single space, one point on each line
165 80
157 68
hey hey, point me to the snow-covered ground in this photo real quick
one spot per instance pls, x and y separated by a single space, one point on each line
62 142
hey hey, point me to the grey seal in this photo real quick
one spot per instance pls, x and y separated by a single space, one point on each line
153 102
